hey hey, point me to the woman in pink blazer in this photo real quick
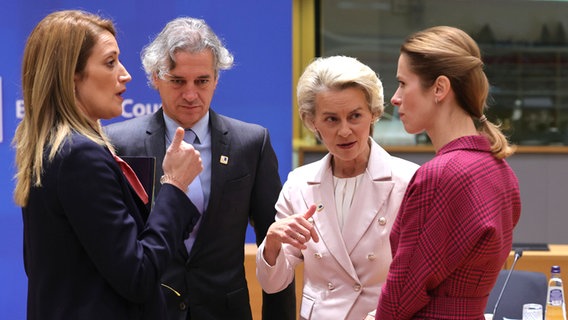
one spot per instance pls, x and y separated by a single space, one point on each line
335 215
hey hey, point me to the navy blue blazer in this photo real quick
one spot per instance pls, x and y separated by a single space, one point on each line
211 280
89 251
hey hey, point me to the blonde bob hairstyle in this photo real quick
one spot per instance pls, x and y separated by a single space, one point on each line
338 73
56 51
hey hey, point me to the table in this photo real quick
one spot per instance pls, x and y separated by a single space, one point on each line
541 261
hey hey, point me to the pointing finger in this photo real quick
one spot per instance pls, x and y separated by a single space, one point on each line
310 212
178 138
308 216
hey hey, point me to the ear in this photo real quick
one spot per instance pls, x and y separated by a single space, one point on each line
155 80
76 78
442 87
318 135
315 130
375 117
313 125
216 82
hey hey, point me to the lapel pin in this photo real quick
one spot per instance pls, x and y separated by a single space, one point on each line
319 207
224 160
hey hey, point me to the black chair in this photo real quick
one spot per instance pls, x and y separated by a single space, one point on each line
523 287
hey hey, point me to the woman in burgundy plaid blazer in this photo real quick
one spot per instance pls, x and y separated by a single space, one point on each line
455 227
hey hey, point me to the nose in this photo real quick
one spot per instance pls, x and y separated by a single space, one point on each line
189 92
344 130
125 77
395 100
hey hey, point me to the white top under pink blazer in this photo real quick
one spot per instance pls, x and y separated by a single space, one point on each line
344 271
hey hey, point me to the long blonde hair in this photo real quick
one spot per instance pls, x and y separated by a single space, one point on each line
451 52
56 50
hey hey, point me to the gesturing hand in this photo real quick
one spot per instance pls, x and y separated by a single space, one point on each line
296 230
182 162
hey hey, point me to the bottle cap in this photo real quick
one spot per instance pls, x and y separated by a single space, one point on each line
555 269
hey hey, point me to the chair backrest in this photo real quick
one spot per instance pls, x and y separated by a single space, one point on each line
523 287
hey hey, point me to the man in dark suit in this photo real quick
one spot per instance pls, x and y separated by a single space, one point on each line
239 183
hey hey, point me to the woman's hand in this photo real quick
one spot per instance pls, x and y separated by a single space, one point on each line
182 162
370 315
295 230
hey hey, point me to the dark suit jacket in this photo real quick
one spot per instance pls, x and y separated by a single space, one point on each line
88 252
211 280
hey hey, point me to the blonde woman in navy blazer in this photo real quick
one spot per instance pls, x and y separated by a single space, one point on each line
91 250
335 215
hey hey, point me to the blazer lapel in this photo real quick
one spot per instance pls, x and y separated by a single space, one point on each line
220 146
370 198
155 143
320 192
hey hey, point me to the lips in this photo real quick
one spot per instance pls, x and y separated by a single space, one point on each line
189 108
346 145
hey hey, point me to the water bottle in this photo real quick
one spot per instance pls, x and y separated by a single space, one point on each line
555 306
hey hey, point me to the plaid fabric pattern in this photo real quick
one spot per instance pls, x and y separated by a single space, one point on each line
452 235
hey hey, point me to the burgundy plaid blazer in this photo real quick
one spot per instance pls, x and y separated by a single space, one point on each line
452 235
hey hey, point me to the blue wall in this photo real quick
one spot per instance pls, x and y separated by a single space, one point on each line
257 89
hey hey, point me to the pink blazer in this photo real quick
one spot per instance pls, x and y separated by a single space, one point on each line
344 271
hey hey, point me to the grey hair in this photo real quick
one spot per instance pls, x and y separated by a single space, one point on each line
337 73
183 34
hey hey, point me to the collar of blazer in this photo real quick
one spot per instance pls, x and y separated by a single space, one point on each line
379 167
220 145
370 203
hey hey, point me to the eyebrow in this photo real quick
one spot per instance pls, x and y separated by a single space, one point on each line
172 76
350 112
111 53
206 76
356 109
